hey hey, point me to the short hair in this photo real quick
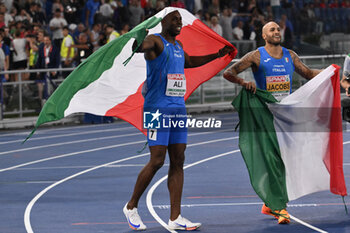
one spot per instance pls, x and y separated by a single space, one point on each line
109 25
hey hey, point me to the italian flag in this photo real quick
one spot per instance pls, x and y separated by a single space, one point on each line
294 147
109 82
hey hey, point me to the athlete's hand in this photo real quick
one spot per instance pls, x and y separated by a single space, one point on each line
225 50
250 86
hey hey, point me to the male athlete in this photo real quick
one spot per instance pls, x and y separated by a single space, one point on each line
273 67
164 90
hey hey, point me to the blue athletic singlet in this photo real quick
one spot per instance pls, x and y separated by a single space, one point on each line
164 91
166 69
275 75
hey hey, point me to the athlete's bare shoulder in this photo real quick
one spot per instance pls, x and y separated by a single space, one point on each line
251 59
153 39
293 54
152 46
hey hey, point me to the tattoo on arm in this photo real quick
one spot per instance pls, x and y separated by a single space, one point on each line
251 59
301 68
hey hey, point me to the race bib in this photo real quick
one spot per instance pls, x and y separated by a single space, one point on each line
152 134
176 85
279 86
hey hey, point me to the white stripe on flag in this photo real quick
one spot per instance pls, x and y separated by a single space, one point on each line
114 85
303 135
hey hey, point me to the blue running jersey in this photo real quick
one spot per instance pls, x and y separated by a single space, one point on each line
275 75
164 91
165 85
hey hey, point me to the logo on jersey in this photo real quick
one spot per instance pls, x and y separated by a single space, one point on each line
155 120
267 59
151 120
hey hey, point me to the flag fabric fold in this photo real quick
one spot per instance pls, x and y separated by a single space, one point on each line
294 147
109 82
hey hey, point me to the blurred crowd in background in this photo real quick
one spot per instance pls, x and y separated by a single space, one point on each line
39 34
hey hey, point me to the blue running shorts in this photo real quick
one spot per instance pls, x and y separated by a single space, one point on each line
172 128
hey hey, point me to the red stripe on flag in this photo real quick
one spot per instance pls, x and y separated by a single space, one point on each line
335 156
130 110
197 40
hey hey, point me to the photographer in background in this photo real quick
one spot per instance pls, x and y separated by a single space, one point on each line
345 83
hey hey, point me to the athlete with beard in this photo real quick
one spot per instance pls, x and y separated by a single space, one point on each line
273 67
164 91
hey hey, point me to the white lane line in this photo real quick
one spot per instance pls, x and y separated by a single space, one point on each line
70 142
54 129
162 207
151 190
29 182
306 224
79 133
249 203
161 222
71 134
239 204
70 154
93 150
83 140
40 182
29 207
79 167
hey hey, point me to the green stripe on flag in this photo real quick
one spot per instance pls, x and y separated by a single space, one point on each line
259 147
89 71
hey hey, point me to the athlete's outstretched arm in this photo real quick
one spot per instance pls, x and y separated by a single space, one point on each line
147 44
301 68
251 59
152 46
195 61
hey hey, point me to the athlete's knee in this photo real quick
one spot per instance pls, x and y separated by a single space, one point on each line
156 164
158 154
178 161
177 155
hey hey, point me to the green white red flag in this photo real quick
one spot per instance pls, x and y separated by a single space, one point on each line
109 82
294 147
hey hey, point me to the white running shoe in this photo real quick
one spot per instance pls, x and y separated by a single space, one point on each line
182 223
134 219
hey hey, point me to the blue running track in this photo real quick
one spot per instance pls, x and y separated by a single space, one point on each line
77 179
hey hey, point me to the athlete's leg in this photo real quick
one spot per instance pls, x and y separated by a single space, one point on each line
145 176
176 177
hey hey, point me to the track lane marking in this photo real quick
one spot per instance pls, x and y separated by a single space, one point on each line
29 207
307 225
151 190
53 129
70 142
67 135
93 150
161 222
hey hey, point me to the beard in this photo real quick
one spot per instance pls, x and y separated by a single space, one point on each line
274 42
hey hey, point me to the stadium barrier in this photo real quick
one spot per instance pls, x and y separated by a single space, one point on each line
20 99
